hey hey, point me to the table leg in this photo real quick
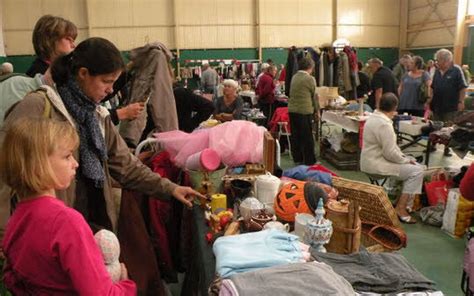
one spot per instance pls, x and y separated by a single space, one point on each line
427 155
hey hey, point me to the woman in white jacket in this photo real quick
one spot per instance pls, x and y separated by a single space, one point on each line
380 155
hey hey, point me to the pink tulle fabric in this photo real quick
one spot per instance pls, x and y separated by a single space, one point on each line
237 142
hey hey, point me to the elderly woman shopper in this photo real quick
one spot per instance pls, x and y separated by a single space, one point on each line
381 156
302 106
229 106
410 87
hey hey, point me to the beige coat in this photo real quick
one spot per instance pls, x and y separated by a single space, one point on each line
152 78
121 165
380 153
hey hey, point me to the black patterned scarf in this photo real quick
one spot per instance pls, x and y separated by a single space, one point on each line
92 149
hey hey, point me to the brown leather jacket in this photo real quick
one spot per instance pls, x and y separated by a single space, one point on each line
121 165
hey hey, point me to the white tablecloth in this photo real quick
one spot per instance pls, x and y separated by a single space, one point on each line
349 123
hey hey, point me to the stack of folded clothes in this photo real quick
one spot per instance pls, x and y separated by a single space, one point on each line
377 272
250 251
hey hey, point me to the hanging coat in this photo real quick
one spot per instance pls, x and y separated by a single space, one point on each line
151 78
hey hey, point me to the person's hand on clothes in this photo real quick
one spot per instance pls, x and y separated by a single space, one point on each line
186 195
131 111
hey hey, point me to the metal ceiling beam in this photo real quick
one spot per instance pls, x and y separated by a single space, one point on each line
450 29
423 22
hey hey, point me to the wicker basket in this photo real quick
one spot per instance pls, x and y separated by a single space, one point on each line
375 207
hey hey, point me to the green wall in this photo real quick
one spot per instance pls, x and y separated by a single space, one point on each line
426 53
20 63
278 55
206 54
468 54
387 55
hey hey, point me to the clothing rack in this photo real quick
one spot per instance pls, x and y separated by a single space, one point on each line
233 61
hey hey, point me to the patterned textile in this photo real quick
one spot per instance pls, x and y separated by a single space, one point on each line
92 150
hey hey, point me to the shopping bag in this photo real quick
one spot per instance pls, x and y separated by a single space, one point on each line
437 191
458 214
450 212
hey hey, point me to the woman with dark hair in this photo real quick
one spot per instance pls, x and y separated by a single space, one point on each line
410 87
83 78
381 156
53 36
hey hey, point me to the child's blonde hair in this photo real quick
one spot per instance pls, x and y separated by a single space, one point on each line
28 143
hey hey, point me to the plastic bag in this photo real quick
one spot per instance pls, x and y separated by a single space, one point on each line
432 215
437 191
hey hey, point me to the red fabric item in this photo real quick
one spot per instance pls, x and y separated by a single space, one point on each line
467 184
136 248
280 115
50 250
437 191
351 54
361 134
163 218
282 75
266 89
321 168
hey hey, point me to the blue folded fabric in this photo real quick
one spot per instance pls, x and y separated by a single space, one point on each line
302 173
251 251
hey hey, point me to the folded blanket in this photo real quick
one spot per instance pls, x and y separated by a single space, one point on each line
250 251
295 279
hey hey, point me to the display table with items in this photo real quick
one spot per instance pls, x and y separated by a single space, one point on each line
256 243
342 150
410 129
254 223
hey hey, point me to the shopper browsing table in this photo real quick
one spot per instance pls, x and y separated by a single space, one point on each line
230 105
381 156
302 106
84 78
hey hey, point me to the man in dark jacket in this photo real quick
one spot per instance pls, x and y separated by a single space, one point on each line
383 81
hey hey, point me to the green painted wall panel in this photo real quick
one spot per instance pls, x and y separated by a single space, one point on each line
20 63
278 55
388 55
468 56
426 53
207 54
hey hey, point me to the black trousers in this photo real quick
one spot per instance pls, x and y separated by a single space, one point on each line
267 110
302 141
